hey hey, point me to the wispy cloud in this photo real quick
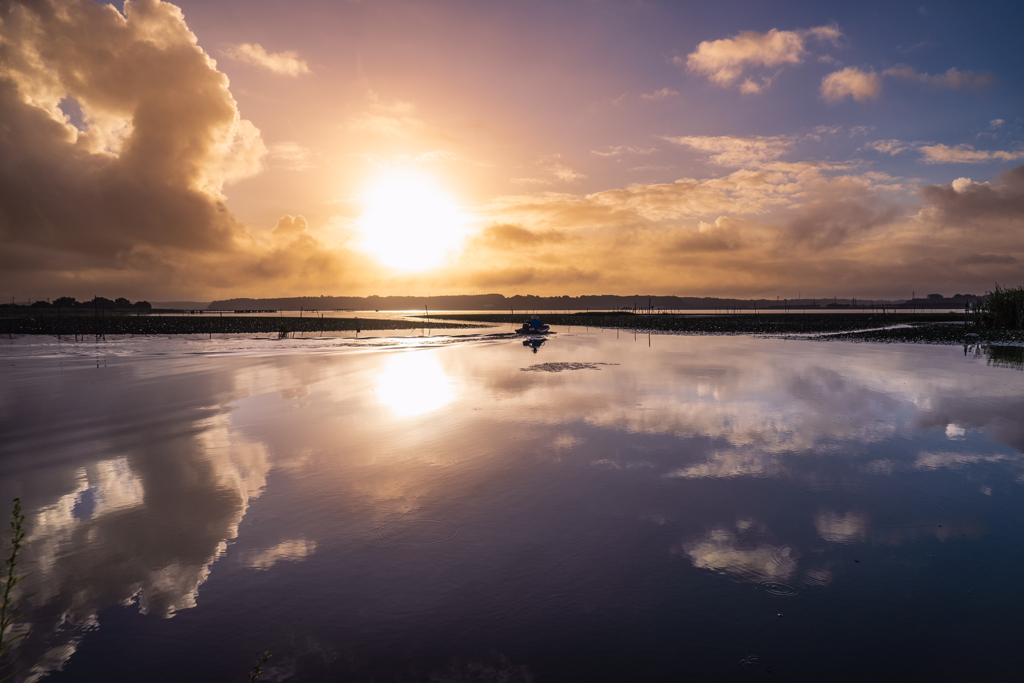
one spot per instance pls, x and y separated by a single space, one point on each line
953 79
291 155
436 156
286 63
553 164
527 182
660 94
389 119
907 49
965 154
932 153
864 85
727 150
891 147
651 167
618 150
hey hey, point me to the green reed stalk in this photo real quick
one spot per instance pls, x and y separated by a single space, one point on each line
12 579
261 659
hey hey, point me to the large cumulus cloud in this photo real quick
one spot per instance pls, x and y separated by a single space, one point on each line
119 136
161 133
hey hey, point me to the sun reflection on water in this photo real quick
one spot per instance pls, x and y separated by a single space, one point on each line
414 383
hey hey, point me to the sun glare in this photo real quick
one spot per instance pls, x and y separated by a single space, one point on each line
414 383
410 223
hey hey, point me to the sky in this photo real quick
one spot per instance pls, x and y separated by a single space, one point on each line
206 150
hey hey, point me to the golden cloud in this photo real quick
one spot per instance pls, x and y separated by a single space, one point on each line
727 150
851 81
724 61
965 154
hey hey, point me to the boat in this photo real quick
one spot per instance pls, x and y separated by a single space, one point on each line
534 326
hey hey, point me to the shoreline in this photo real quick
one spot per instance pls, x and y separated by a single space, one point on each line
928 328
171 325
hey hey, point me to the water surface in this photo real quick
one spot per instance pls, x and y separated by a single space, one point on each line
603 507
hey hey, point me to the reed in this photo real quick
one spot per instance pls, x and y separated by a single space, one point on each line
257 669
1004 308
11 579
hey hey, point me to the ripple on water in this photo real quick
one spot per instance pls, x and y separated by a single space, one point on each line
419 531
778 588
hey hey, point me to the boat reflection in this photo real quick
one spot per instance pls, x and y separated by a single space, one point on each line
534 343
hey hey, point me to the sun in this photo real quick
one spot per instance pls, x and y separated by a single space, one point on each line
410 222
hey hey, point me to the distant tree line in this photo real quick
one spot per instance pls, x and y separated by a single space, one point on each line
95 302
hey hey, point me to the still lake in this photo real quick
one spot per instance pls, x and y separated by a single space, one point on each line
606 507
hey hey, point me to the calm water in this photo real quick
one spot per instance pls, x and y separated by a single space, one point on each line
609 508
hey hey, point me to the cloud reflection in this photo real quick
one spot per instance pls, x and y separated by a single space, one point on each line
143 522
286 551
720 550
755 406
841 528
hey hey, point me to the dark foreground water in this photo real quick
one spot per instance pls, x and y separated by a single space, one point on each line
609 508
